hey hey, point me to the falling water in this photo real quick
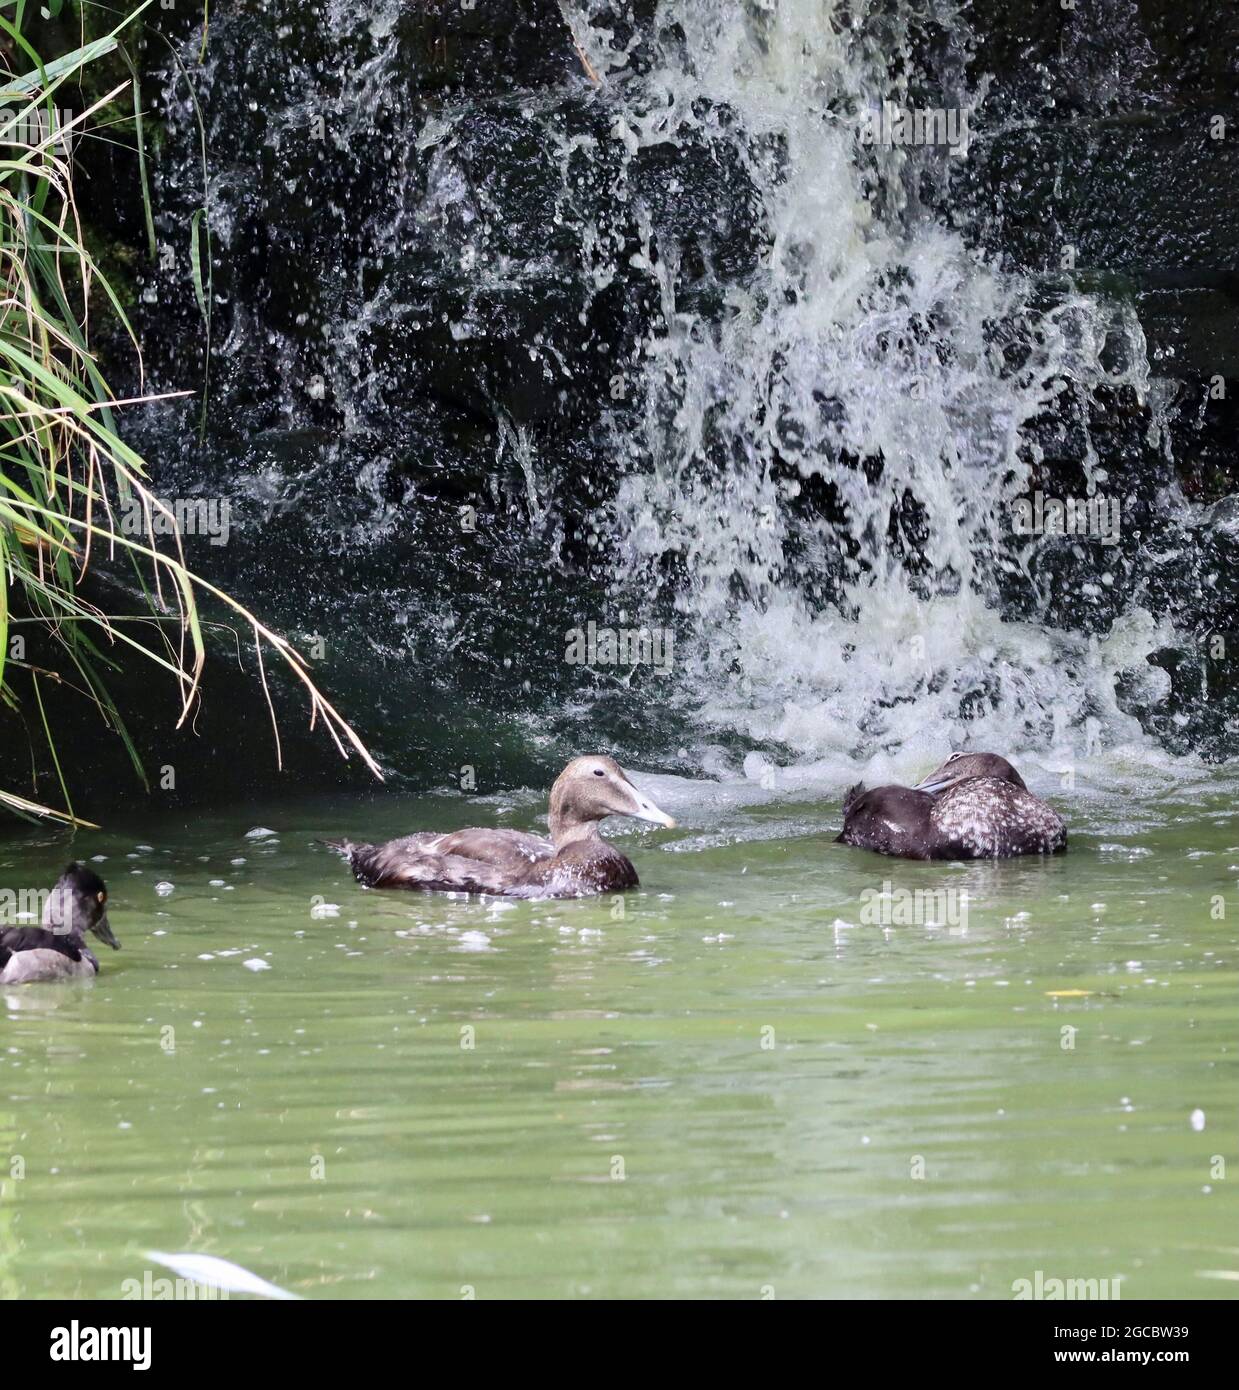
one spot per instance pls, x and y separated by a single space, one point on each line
800 450
825 469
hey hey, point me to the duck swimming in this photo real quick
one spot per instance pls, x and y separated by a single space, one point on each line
57 950
975 806
575 862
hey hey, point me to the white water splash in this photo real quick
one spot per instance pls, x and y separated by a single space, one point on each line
869 331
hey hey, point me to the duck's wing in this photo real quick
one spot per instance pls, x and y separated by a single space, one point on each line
15 939
505 848
508 849
991 818
577 871
414 862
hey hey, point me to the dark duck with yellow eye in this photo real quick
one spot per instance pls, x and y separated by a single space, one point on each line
57 950
975 806
575 862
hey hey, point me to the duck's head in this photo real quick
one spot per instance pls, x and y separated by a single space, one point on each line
961 767
591 788
78 904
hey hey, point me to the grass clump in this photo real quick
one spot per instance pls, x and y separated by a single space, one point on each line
66 475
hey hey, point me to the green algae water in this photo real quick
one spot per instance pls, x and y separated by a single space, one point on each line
754 1077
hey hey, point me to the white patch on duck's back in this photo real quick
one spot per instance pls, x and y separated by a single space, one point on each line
991 819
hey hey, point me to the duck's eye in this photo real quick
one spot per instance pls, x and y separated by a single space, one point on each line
598 772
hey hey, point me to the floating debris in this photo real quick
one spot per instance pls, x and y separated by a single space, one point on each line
218 1274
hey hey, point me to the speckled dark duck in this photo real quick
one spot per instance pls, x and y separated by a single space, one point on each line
57 950
575 862
975 806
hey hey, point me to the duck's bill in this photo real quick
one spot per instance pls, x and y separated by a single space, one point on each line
938 780
103 930
644 809
932 784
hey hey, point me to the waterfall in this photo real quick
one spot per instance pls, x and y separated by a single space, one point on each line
826 463
636 288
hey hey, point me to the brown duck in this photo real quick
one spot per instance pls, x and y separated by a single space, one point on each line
575 862
975 806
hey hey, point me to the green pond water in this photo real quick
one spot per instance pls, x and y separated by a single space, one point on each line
737 1088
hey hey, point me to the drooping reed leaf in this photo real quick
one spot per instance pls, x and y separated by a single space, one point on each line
64 468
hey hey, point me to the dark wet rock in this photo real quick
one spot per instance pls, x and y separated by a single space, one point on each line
1192 330
490 46
1047 59
1148 198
